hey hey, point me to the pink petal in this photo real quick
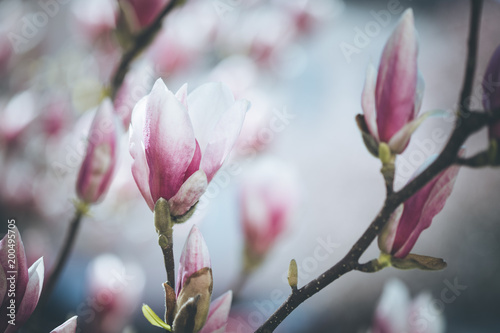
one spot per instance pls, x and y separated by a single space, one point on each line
420 309
218 314
421 208
397 79
206 105
168 140
181 95
146 11
222 139
194 257
140 168
386 238
368 101
195 162
22 276
189 193
99 163
68 326
31 296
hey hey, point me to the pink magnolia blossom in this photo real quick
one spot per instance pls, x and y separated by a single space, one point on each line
144 12
17 115
194 288
179 142
269 194
27 282
491 90
397 313
218 314
117 288
391 99
99 163
69 326
95 18
415 215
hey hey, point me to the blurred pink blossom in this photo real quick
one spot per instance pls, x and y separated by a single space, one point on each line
269 196
397 313
99 163
117 289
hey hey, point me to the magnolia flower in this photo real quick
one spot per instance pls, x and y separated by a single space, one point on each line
143 12
397 313
20 287
116 288
269 195
391 100
68 326
179 142
99 163
415 215
188 309
17 115
95 18
491 90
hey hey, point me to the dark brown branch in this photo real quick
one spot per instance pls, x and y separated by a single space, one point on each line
463 129
63 258
141 41
470 65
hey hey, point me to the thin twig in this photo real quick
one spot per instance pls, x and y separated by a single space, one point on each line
63 258
470 124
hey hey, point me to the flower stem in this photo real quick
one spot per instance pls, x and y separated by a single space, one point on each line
63 255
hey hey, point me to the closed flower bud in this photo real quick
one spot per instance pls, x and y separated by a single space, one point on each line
391 99
99 163
415 215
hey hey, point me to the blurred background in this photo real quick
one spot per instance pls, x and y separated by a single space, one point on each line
302 66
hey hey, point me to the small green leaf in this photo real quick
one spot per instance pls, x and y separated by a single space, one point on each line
153 318
413 261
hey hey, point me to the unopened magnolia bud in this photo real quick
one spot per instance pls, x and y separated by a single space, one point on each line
293 274
384 153
162 217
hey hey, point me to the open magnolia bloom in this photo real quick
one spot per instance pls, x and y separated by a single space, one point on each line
415 215
188 309
19 291
397 313
391 100
178 142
